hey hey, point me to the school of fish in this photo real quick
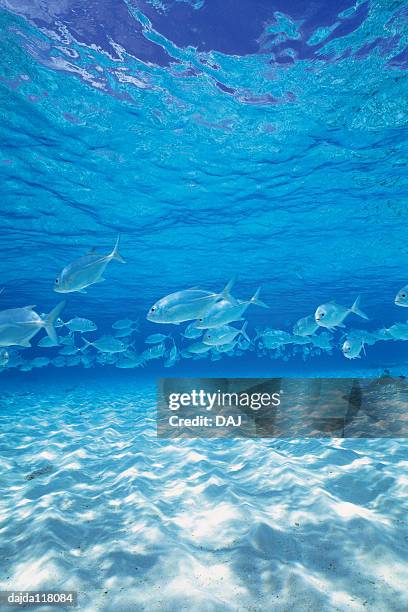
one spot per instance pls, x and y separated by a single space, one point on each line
214 324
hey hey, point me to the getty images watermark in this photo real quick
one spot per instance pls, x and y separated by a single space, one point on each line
282 407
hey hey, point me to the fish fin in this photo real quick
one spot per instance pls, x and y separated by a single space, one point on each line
115 253
364 351
82 291
101 280
29 307
339 325
254 299
226 292
243 332
356 309
50 320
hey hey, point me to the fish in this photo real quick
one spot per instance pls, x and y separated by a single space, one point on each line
332 315
401 299
4 358
123 324
79 324
124 333
154 352
198 348
224 335
85 271
306 326
192 332
274 338
187 305
398 331
69 350
58 362
106 344
40 362
322 341
130 362
19 325
352 348
224 312
73 360
67 340
156 338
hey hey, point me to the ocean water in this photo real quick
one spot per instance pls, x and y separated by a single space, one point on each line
264 142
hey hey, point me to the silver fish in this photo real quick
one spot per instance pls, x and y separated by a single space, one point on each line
79 324
19 325
332 315
306 326
106 344
85 271
123 324
224 335
187 305
223 312
352 348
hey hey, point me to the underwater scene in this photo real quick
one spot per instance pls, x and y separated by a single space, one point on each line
200 189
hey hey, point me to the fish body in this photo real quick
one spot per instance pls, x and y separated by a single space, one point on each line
192 331
46 342
224 335
398 331
85 271
154 352
79 324
274 338
69 350
332 315
106 344
198 348
186 305
123 324
40 362
224 312
306 326
156 338
124 333
19 325
352 348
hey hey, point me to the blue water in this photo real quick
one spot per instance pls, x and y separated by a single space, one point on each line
262 140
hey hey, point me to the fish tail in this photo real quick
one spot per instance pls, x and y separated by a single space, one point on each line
115 253
50 321
86 344
257 302
243 332
356 309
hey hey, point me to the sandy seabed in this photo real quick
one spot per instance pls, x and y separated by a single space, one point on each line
92 501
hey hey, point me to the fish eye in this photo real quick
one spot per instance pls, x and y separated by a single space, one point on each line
403 295
322 314
56 281
153 308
